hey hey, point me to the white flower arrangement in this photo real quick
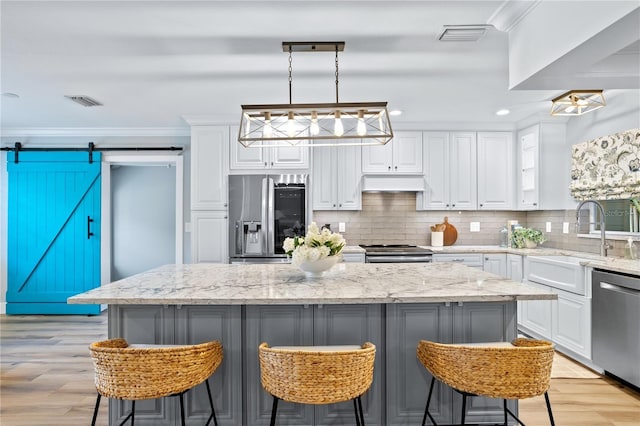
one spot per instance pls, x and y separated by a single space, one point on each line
316 245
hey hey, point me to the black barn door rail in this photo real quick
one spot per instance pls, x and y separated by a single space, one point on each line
91 148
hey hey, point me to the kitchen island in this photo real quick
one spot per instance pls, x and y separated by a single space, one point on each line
391 305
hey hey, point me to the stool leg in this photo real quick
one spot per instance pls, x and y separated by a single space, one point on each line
361 413
546 398
95 410
181 397
505 411
464 407
213 411
274 410
355 410
426 409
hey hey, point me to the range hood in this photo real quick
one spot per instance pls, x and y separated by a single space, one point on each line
397 183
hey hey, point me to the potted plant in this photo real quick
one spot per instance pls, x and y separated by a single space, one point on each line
316 252
526 238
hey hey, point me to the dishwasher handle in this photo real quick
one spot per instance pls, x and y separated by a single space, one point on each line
619 289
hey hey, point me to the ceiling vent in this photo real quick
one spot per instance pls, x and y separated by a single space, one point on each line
83 100
462 32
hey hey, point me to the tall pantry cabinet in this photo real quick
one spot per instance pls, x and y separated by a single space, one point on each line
209 194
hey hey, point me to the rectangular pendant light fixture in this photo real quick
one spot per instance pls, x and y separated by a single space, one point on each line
577 102
315 124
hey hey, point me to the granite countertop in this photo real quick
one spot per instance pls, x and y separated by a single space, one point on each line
615 264
222 284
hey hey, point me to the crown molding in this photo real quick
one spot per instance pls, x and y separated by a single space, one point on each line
15 132
510 13
207 120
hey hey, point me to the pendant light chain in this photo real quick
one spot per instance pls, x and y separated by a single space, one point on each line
337 74
290 71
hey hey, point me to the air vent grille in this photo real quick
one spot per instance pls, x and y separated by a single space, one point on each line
83 100
462 32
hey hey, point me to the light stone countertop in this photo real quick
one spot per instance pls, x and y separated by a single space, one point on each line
258 284
614 264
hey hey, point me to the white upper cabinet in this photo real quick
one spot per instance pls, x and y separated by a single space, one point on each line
528 160
209 151
495 171
279 157
336 178
402 155
450 171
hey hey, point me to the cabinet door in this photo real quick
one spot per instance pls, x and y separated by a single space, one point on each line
495 171
352 325
436 163
406 378
209 147
571 319
198 324
289 157
243 158
462 171
536 315
528 152
151 325
514 267
477 323
377 158
287 325
348 177
407 152
323 184
496 263
209 237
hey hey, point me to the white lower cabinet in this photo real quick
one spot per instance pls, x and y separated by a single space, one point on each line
209 236
496 263
571 322
353 257
473 260
535 317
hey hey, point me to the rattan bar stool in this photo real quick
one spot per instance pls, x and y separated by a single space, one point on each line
134 372
517 370
317 374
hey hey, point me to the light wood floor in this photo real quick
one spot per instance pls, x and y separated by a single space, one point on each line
47 379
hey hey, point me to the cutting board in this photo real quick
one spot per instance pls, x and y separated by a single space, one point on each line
450 233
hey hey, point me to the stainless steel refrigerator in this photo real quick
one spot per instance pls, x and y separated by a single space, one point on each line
263 211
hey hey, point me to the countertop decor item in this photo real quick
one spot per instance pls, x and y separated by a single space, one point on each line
526 238
450 233
316 124
316 252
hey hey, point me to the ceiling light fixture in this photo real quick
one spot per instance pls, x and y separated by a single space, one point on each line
317 124
503 112
577 102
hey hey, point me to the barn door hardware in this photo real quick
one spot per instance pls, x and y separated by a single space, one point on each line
89 233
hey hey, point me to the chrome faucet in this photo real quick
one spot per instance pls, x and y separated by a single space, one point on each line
603 243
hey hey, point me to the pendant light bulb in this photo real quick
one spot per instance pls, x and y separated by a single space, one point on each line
291 125
247 126
315 128
361 129
338 128
268 130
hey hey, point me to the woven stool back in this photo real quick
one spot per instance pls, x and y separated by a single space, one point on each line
133 373
321 377
517 372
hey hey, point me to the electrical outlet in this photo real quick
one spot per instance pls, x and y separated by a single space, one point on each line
474 226
342 227
565 227
548 229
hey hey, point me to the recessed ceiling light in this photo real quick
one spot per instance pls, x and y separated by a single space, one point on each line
503 112
395 112
10 95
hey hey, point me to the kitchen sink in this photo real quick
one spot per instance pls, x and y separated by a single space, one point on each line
561 272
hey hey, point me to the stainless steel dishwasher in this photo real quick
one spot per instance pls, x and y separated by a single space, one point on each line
616 324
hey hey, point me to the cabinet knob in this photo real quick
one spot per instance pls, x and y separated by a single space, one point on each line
272 164
226 217
480 205
389 168
535 204
225 204
339 205
334 205
396 167
453 205
265 164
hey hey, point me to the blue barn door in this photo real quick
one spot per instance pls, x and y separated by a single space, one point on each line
53 231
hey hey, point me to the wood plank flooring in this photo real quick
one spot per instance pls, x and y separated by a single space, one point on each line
47 379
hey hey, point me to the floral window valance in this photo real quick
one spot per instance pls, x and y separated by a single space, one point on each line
607 168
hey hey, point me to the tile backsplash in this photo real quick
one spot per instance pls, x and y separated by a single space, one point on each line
391 218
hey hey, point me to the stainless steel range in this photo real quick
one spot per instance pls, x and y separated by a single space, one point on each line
396 253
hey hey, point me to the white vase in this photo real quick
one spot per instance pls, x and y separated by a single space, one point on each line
529 244
318 267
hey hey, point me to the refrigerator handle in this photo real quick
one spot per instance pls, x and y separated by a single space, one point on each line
272 218
265 216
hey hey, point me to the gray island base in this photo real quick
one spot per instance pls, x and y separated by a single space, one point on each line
390 305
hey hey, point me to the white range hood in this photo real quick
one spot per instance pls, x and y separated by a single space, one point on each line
396 183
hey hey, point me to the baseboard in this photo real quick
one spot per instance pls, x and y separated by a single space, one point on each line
3 308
